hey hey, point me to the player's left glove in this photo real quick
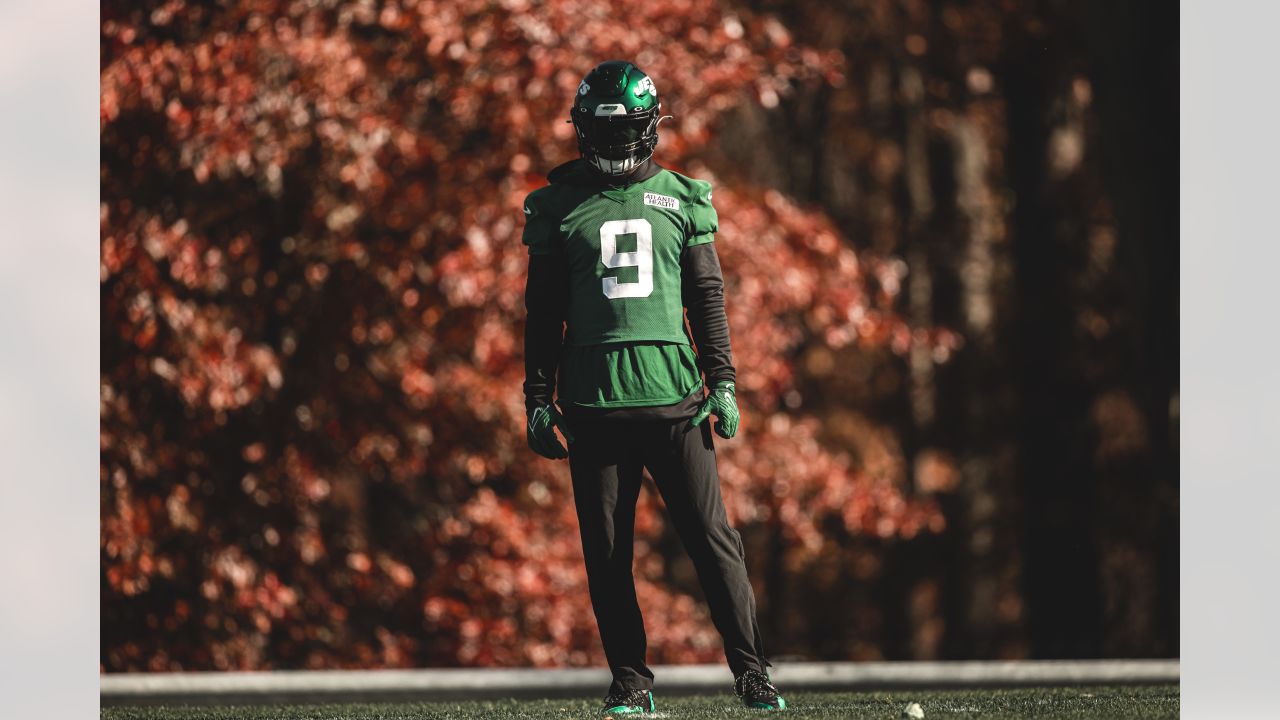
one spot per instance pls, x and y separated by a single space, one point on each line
721 403
542 435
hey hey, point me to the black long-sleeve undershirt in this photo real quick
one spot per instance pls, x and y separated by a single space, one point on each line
547 302
702 290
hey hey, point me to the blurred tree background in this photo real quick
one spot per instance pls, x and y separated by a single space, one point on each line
949 233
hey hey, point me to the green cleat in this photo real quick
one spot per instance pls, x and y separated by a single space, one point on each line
628 701
757 692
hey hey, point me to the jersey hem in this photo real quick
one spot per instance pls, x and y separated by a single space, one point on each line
647 402
626 339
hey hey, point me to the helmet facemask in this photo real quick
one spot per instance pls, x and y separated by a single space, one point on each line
615 142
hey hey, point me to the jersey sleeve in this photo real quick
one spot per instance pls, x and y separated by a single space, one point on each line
541 229
703 222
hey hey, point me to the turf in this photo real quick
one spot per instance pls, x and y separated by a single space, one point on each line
1118 703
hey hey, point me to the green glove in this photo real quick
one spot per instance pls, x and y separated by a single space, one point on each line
721 403
542 435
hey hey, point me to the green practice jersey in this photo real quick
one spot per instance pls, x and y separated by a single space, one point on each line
626 375
623 248
626 344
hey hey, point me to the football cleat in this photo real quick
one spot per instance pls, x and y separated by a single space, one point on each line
756 691
629 701
615 115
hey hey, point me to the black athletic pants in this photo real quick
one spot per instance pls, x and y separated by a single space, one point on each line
606 460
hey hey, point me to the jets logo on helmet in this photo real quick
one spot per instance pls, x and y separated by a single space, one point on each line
646 86
615 115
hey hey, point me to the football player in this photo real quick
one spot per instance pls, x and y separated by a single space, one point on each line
619 249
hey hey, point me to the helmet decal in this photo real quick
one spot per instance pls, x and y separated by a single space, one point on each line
645 87
584 88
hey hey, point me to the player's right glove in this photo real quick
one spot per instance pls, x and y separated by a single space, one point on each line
542 435
722 403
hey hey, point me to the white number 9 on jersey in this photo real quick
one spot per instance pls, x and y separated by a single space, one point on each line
641 259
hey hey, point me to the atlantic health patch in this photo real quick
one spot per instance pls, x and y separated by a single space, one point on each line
662 201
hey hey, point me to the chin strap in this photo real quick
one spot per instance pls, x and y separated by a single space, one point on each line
615 169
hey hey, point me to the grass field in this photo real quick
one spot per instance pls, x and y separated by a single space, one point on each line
1120 703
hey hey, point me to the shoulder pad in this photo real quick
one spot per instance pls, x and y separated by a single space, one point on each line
696 197
699 192
540 223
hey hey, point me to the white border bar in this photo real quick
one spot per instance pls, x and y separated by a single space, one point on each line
316 686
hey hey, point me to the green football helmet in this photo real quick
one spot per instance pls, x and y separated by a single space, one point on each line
615 114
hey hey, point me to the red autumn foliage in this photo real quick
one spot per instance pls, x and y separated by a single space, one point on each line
313 447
